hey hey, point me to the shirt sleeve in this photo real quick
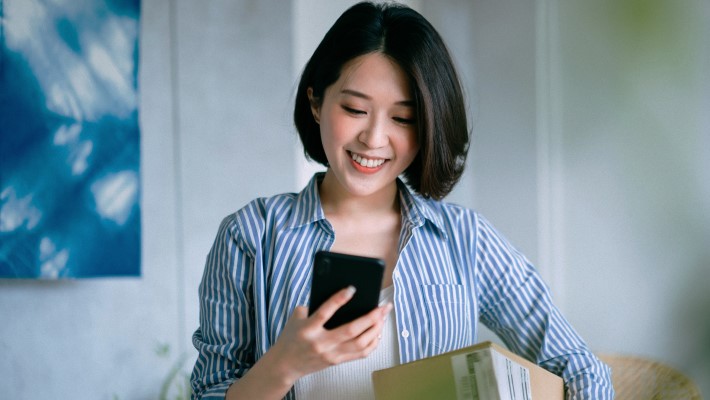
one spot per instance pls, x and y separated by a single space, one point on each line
225 336
516 305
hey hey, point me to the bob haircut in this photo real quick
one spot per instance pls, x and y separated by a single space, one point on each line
406 37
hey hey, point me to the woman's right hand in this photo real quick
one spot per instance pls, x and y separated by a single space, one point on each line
306 346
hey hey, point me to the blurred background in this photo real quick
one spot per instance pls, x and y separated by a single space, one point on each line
590 151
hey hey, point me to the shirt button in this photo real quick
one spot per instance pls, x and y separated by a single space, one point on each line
405 333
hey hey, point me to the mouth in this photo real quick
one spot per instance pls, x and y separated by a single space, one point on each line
364 162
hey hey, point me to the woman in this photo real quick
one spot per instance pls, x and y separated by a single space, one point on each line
378 99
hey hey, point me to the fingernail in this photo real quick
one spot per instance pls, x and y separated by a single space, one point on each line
350 291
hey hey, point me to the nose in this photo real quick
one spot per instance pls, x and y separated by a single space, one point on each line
374 135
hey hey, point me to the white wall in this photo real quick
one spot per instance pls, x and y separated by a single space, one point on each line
215 83
636 178
622 238
234 83
97 338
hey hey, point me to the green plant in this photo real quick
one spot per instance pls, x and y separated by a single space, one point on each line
176 384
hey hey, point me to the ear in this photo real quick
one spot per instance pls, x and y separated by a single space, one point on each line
315 105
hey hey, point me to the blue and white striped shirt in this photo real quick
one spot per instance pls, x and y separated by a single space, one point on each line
453 270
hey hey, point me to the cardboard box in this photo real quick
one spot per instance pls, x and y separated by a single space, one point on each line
477 372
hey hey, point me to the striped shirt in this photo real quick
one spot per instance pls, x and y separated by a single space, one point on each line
453 271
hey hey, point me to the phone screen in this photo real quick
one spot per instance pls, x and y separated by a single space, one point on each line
335 271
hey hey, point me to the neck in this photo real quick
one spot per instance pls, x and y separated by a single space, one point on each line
338 201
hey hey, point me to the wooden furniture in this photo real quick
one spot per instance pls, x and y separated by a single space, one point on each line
641 378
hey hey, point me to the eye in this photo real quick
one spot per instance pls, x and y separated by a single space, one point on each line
405 121
353 111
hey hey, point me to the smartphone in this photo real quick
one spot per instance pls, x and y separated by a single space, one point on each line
335 271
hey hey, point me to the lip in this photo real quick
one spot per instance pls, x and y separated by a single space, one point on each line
366 170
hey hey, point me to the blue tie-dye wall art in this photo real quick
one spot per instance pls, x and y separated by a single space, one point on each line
69 139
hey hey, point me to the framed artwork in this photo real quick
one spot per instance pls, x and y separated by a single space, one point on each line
69 139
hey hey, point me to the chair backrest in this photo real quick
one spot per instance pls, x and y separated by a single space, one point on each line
640 378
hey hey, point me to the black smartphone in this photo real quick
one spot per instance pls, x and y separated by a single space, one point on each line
335 271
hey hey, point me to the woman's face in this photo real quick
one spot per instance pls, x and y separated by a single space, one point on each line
368 125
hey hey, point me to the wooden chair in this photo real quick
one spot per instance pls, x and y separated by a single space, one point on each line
643 379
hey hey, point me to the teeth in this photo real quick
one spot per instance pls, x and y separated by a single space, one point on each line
366 162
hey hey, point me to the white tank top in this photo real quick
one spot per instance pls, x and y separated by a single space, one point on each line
352 380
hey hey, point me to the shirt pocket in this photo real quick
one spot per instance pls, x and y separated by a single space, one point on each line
448 323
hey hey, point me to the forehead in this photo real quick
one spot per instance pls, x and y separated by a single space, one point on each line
374 74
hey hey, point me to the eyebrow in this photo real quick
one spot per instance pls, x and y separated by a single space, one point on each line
408 103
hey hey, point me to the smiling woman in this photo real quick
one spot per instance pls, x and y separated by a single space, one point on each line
365 137
432 89
379 104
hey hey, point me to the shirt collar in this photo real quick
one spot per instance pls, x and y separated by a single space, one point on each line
308 208
415 209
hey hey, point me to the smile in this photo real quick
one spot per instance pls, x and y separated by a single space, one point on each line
367 162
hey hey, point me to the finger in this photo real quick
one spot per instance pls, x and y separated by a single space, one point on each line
358 326
330 306
362 345
300 312
370 336
385 310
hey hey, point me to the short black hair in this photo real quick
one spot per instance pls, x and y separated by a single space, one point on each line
411 41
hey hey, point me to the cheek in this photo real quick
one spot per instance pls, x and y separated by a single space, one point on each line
327 133
331 136
409 146
335 128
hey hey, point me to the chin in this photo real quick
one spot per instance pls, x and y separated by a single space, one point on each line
367 186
